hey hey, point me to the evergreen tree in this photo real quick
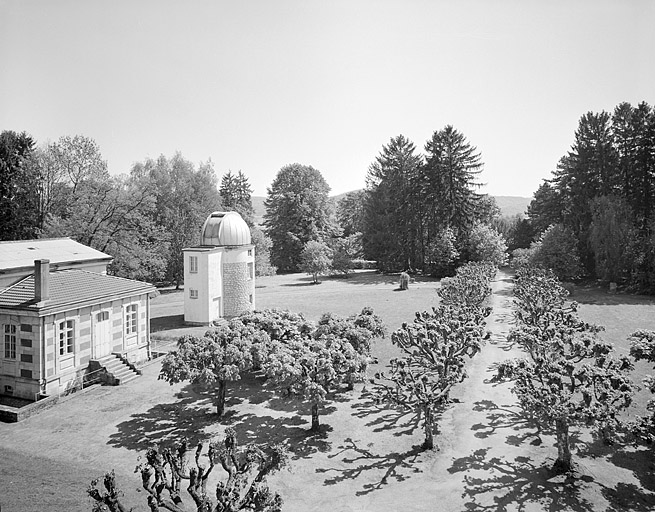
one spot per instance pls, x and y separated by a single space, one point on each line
391 217
448 183
546 207
236 195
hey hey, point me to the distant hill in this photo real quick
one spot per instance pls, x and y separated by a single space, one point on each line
509 205
513 205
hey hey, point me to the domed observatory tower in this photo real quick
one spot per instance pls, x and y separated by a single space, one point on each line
219 275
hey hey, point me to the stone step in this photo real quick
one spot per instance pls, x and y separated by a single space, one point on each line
118 369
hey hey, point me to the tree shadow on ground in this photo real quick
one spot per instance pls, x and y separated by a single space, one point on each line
493 484
166 423
503 418
289 431
393 466
194 411
384 417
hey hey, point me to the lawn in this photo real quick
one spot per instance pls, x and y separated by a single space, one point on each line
366 457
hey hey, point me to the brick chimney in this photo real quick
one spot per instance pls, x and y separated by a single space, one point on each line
41 280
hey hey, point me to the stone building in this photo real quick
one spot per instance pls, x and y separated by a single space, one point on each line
219 274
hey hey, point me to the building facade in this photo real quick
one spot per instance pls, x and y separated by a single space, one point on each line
55 323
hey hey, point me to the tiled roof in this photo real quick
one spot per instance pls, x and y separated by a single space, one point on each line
71 287
22 253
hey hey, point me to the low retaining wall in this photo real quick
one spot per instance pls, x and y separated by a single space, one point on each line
14 414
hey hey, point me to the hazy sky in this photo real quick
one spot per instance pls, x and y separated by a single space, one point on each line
256 85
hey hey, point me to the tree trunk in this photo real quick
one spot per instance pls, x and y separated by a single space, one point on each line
315 423
563 462
428 444
220 397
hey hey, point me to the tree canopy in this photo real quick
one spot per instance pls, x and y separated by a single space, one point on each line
298 210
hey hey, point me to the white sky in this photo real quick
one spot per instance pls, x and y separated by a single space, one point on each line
255 85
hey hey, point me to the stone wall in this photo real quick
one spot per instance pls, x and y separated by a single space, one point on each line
238 289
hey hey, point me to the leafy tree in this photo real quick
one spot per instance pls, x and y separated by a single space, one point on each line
569 377
244 490
315 259
557 249
441 254
213 360
344 250
391 233
297 210
17 219
185 196
642 348
262 245
486 244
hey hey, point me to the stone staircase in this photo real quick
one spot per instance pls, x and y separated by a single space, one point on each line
118 371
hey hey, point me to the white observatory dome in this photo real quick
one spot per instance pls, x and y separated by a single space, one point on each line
225 228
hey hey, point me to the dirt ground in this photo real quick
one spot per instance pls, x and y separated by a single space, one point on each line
367 458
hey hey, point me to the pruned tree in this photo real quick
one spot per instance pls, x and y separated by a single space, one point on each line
469 287
435 347
163 469
642 348
569 376
359 330
311 369
310 362
218 357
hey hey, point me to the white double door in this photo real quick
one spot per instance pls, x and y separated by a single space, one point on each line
102 334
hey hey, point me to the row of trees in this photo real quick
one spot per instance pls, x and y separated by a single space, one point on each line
568 377
143 219
601 198
437 344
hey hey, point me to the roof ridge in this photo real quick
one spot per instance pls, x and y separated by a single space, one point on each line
38 240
